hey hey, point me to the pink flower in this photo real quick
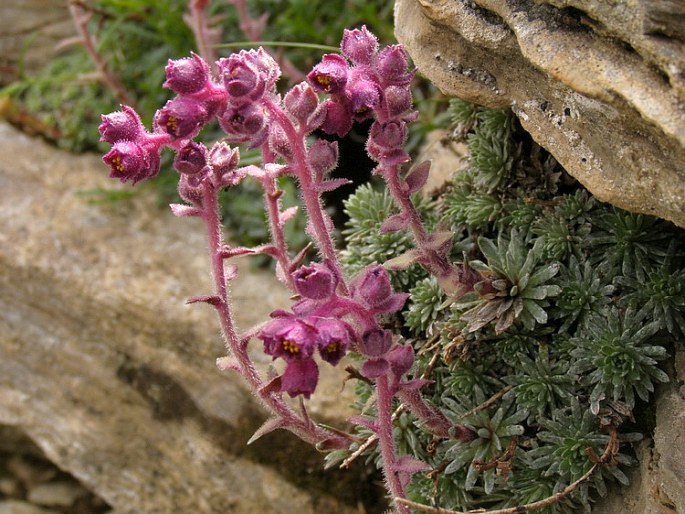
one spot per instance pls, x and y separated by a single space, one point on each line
289 338
181 118
392 66
338 118
245 123
335 337
330 75
300 377
372 287
128 160
315 281
191 159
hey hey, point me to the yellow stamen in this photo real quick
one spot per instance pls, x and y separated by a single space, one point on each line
290 346
332 347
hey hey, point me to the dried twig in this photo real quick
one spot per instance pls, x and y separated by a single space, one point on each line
511 510
495 397
81 16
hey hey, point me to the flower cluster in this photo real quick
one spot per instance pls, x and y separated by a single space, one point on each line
367 81
316 325
332 315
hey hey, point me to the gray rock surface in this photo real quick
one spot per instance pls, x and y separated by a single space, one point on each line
599 84
29 32
112 376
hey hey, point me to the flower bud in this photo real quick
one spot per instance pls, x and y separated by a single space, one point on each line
186 76
223 159
301 102
279 143
323 156
375 342
315 281
121 125
401 359
373 285
181 118
330 75
388 135
392 66
398 100
190 190
359 45
338 118
191 159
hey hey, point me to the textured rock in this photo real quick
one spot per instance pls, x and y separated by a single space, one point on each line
601 85
111 375
29 32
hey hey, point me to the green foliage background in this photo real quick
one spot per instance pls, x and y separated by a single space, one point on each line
580 305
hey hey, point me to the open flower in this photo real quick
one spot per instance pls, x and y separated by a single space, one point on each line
128 160
335 337
290 338
181 118
330 75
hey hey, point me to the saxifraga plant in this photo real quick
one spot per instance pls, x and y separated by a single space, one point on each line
470 419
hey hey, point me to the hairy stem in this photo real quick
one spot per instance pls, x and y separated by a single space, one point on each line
273 210
317 216
386 442
304 429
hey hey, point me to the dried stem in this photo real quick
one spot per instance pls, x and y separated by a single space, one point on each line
495 397
81 17
511 510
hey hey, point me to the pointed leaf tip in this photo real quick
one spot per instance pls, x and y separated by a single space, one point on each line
417 177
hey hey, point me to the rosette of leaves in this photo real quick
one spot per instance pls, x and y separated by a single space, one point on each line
367 209
426 303
541 386
516 288
628 242
528 485
518 214
660 296
562 238
497 431
563 450
491 149
463 205
616 356
584 289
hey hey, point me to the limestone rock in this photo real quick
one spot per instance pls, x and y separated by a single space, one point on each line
108 371
601 85
30 31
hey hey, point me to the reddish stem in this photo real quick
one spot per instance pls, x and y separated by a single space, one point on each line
304 429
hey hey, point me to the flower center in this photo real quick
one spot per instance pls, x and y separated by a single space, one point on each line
290 346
